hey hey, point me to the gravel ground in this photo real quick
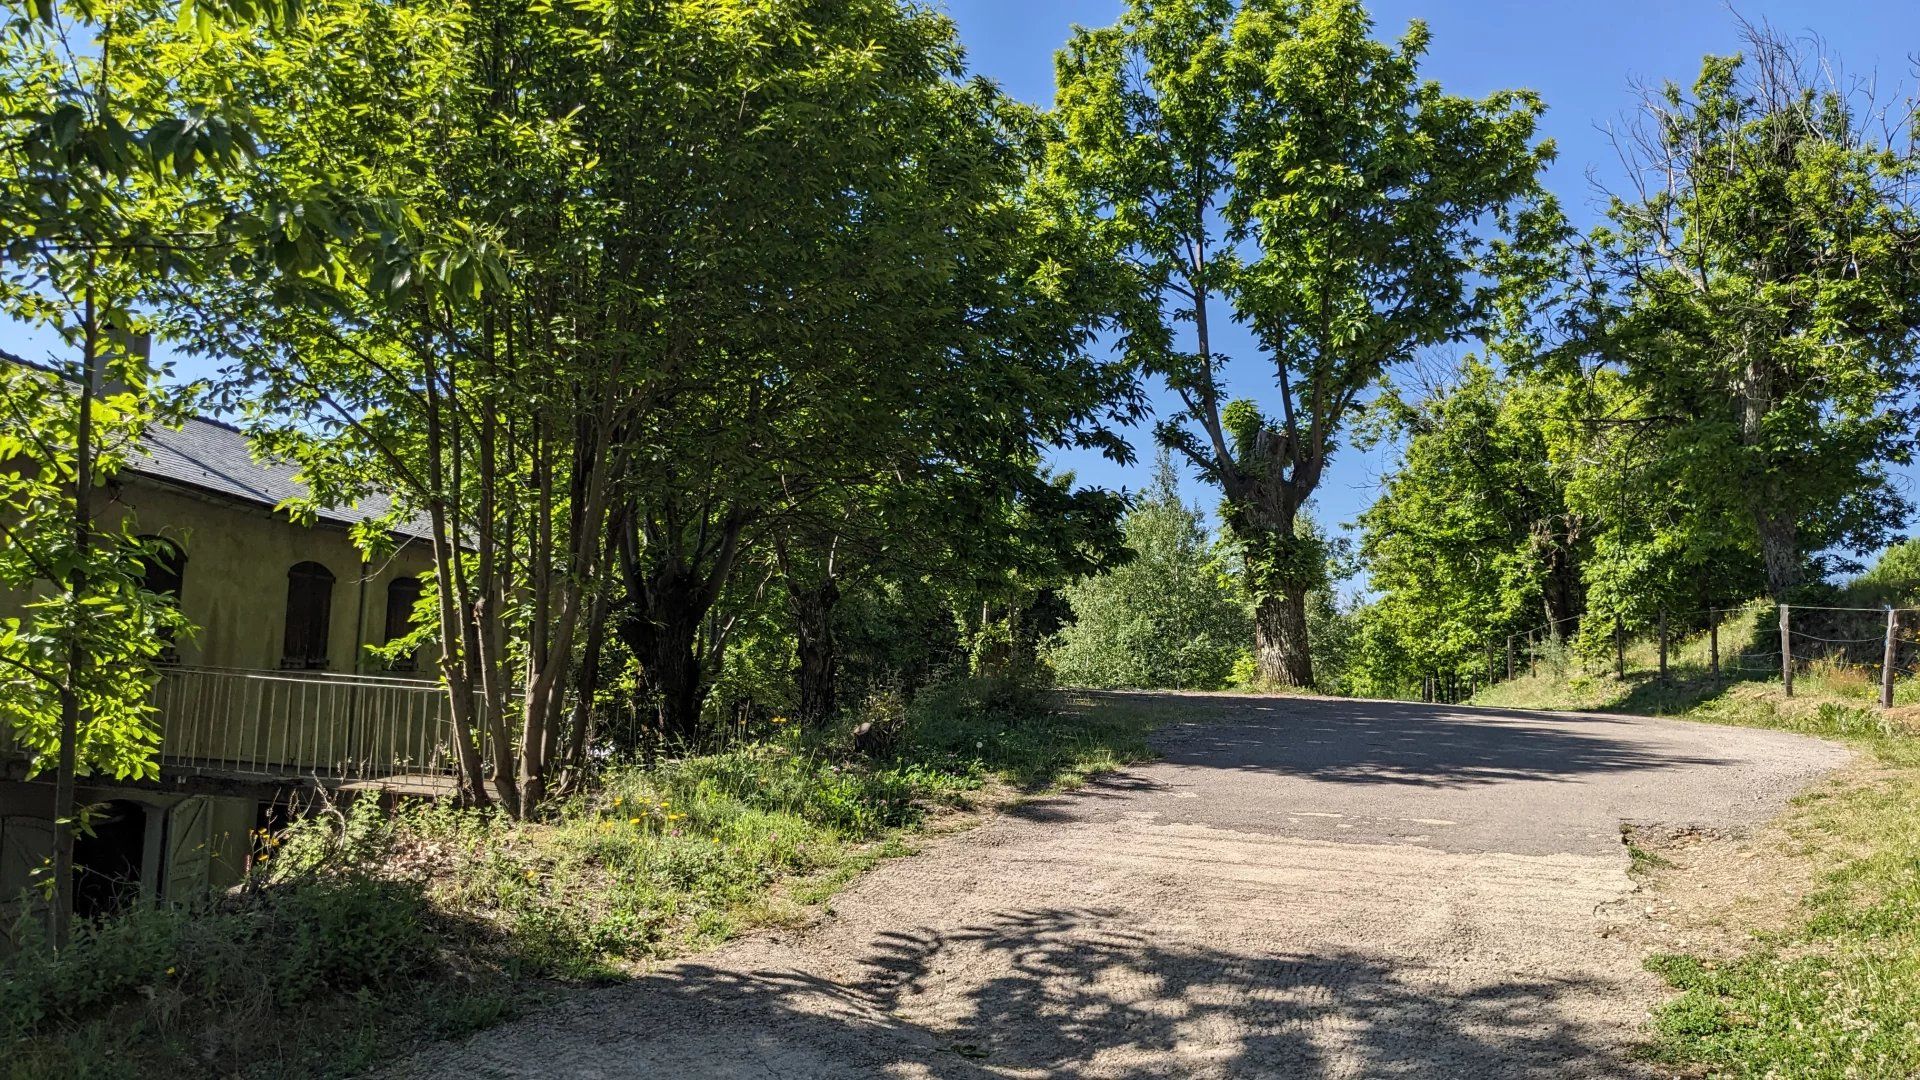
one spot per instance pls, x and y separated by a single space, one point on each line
1300 888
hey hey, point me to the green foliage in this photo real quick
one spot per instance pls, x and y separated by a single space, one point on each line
1169 618
74 599
662 858
1003 728
174 990
1893 579
894 636
1277 157
584 325
1760 304
1474 535
100 142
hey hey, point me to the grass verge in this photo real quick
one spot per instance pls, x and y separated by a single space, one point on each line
362 931
1836 993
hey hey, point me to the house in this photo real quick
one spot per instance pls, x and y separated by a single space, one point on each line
274 696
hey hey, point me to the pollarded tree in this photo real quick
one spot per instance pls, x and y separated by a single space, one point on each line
1270 162
1760 288
1169 618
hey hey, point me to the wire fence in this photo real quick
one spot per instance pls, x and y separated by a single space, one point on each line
1856 648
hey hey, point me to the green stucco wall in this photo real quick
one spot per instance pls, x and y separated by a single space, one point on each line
234 588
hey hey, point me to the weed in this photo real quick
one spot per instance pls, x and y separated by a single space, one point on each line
1640 861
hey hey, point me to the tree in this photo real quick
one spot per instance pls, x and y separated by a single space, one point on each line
100 139
437 158
613 332
1758 287
1272 156
1894 577
961 534
1167 618
77 654
1473 536
894 314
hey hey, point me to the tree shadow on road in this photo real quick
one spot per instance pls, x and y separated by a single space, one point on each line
1383 742
1078 993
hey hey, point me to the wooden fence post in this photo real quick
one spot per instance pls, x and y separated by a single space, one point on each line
1619 648
1713 642
1663 644
1509 656
1786 650
1886 661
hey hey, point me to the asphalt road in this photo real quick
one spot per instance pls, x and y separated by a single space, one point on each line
1300 888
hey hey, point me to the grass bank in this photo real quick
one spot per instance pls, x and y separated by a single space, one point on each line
358 931
1836 992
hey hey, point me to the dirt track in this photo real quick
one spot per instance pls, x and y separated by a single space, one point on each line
1301 888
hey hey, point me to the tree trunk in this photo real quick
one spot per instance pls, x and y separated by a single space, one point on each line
1779 551
817 653
72 708
1560 594
586 680
1775 524
664 636
1279 580
1280 649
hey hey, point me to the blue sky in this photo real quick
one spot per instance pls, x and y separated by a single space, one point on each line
1583 58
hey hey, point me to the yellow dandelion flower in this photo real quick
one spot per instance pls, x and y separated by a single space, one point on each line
633 821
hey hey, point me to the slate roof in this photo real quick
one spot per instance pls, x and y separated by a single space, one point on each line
216 458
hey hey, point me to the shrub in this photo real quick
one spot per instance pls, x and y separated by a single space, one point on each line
1172 618
1894 578
127 990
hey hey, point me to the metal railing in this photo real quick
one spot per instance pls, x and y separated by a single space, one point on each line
270 723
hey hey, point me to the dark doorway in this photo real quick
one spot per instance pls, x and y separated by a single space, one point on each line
106 864
309 616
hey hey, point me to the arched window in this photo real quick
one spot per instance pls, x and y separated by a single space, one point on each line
163 569
309 607
402 594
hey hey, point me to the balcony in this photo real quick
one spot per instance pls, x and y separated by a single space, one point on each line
273 725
